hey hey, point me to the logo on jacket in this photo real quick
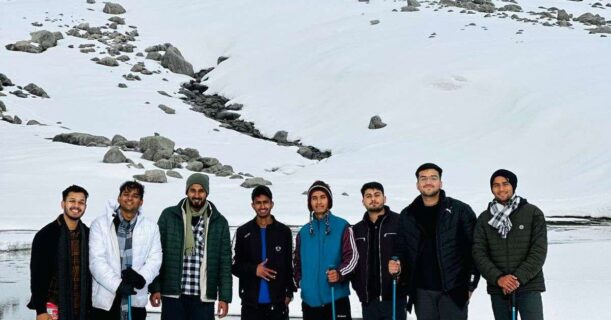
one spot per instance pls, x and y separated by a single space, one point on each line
278 248
521 227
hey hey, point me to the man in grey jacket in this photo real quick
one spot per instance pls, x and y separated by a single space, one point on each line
510 246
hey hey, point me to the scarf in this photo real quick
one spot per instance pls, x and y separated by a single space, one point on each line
124 235
500 214
189 237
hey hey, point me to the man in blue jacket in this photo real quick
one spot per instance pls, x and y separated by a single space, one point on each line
325 255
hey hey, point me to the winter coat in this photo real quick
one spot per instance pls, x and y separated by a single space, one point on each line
247 248
388 233
454 239
105 257
217 262
316 250
51 258
522 253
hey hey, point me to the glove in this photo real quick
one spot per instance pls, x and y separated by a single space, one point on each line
125 289
132 277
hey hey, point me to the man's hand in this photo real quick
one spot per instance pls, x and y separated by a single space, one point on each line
509 283
470 294
222 309
44 316
155 299
287 300
394 267
265 273
132 277
333 276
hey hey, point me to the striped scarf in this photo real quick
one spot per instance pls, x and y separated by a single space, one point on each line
500 214
124 235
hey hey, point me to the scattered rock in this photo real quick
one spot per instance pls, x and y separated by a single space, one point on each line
281 136
591 19
221 59
164 164
44 38
236 176
409 9
117 20
36 24
122 85
113 8
90 1
167 109
108 61
156 147
154 176
376 123
17 120
413 3
209 162
163 93
313 153
173 174
563 16
605 29
131 77
7 118
374 22
154 55
173 60
123 58
82 139
118 140
114 155
36 90
195 166
87 50
511 7
189 153
2 106
32 123
345 194
253 182
24 46
5 81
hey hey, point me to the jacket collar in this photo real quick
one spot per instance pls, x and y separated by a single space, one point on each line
386 214
418 203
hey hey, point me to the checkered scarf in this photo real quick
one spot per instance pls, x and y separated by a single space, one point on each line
191 265
124 234
500 214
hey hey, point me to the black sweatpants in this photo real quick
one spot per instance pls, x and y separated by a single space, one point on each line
342 311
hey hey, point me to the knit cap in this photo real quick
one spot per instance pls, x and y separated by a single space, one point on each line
201 179
510 176
320 186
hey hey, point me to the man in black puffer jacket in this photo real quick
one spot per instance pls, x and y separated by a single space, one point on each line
510 249
434 246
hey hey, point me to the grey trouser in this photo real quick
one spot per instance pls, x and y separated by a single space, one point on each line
382 310
528 304
436 305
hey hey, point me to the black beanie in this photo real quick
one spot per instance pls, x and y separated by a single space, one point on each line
510 176
320 186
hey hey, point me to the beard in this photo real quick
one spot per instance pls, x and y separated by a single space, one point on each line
196 204
432 193
67 213
377 209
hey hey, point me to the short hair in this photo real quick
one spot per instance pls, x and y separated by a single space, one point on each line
132 185
372 185
76 189
427 166
261 191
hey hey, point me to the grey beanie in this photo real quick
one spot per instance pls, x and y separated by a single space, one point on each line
201 179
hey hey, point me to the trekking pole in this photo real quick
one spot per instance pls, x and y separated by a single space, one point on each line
394 291
129 307
332 267
514 314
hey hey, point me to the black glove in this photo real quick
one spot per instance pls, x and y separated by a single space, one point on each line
125 289
132 277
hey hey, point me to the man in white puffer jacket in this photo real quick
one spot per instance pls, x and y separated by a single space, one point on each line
124 256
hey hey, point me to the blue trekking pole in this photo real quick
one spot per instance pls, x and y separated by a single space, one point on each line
514 314
332 267
129 307
394 291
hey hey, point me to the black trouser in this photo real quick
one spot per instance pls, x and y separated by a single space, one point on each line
186 307
115 312
377 310
436 305
342 311
265 311
528 304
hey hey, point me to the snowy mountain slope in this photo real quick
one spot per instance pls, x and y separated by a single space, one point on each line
472 98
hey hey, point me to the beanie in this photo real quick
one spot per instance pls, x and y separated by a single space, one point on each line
510 176
320 186
201 179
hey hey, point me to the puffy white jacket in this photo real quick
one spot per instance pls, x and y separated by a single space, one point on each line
105 259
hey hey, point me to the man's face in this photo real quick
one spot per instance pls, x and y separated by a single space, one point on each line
319 202
130 200
429 182
374 200
74 206
262 206
196 194
502 189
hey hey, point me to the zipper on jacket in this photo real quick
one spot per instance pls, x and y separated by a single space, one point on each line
380 254
438 244
367 267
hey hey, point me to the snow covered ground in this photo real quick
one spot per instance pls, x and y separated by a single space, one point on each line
468 92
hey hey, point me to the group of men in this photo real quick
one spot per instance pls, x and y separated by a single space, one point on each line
430 256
